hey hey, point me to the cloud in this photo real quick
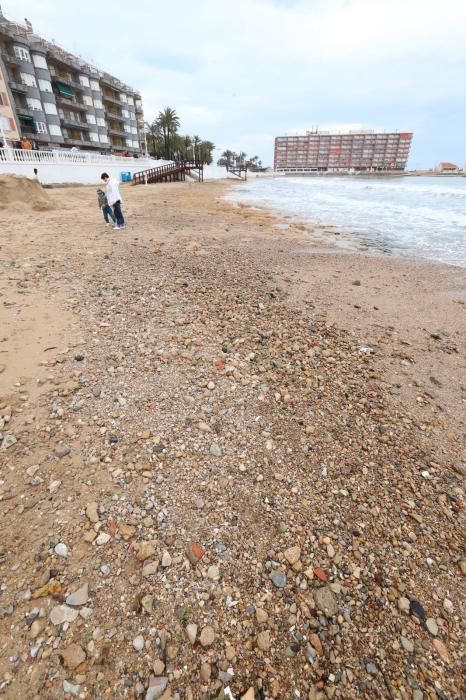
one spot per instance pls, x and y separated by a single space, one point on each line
239 73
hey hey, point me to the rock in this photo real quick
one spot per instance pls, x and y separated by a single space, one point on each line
447 605
36 628
403 604
278 579
416 609
73 656
249 694
61 549
150 569
145 550
62 451
462 565
215 450
166 559
206 672
8 441
407 645
356 283
79 597
213 572
263 640
293 554
460 468
71 689
194 552
326 600
52 588
54 486
204 428
371 668
138 643
92 513
147 603
207 637
105 569
157 686
62 613
191 633
261 615
85 613
432 626
103 538
320 573
127 531
441 650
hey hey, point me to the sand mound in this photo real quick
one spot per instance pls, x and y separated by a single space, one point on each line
16 190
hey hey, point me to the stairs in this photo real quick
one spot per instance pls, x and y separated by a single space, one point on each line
170 173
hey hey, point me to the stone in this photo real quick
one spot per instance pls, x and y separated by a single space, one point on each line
157 686
432 626
103 538
403 604
166 559
54 486
261 615
158 667
62 451
326 600
92 513
407 644
371 668
61 549
416 609
36 628
447 605
73 656
215 450
206 672
191 633
462 565
79 597
263 640
127 531
213 572
293 554
441 650
147 603
8 441
278 579
138 643
249 694
194 552
207 637
71 689
62 613
150 569
145 550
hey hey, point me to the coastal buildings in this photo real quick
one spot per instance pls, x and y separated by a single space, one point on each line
58 100
446 167
355 151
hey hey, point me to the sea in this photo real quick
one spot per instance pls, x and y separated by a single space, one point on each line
420 217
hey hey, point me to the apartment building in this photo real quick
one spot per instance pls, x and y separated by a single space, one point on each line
355 151
58 100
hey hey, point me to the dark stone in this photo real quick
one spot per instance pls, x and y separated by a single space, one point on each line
79 358
416 609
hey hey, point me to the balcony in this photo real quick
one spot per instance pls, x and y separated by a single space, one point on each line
114 116
72 124
117 132
11 60
112 100
19 87
83 142
56 78
66 102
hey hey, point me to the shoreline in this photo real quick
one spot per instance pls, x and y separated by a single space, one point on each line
234 428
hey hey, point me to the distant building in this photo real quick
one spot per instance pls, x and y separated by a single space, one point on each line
446 167
57 99
355 151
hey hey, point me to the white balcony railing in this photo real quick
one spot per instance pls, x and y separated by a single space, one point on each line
15 155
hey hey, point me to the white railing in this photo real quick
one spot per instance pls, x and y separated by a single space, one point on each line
18 155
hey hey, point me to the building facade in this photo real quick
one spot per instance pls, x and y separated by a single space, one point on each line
58 100
356 151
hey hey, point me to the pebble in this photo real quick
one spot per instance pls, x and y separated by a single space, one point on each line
71 689
278 579
157 686
166 559
79 597
62 451
261 615
293 554
403 604
207 637
73 656
206 672
432 626
150 569
326 600
62 613
138 643
215 450
417 610
103 538
372 669
191 633
92 513
61 549
407 644
447 605
213 572
263 640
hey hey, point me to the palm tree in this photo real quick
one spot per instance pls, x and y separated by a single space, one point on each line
228 157
205 150
169 122
154 137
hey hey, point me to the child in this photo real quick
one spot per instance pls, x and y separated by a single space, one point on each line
106 208
114 199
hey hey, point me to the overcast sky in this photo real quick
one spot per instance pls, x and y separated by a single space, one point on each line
240 72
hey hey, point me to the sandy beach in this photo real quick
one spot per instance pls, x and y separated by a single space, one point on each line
231 455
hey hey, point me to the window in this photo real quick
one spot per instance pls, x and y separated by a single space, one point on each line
135 144
41 128
54 130
91 119
34 104
39 61
87 99
98 104
132 116
125 113
22 54
84 80
95 85
123 97
93 135
50 108
127 128
28 79
45 85
134 130
103 138
129 143
101 121
131 101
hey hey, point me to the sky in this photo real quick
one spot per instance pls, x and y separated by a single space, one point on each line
240 72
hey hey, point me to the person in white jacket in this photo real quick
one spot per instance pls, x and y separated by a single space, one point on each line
112 191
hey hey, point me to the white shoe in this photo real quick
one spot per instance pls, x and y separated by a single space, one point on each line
107 224
122 227
116 228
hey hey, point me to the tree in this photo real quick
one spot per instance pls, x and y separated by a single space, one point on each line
205 151
169 122
227 158
154 138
